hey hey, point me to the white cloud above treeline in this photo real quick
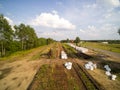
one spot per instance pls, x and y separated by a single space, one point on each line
52 20
10 21
107 31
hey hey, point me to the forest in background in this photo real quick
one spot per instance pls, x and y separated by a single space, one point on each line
18 38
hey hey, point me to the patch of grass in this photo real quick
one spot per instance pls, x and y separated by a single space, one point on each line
71 52
55 51
72 84
20 54
16 54
38 55
49 51
109 47
89 85
41 79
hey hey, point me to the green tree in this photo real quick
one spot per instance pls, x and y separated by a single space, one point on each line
32 39
50 40
6 34
20 34
77 40
13 47
68 40
42 41
26 35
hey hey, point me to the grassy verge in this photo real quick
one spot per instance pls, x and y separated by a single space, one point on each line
71 52
89 85
51 51
43 52
109 47
55 51
21 54
17 54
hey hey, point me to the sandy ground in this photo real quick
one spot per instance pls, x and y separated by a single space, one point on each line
20 75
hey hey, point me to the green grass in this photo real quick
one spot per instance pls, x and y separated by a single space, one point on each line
72 85
16 54
53 51
43 52
43 78
71 52
109 47
20 54
89 85
49 51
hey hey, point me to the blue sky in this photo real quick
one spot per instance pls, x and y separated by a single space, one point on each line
61 19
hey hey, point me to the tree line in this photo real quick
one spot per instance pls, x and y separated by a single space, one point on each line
23 37
77 40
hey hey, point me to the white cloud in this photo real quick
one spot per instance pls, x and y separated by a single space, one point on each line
59 3
108 15
9 20
54 12
114 2
52 20
91 28
90 5
51 34
111 3
90 31
106 31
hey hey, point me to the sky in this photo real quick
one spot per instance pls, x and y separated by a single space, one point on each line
62 19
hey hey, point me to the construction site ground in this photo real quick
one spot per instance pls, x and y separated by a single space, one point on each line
21 73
